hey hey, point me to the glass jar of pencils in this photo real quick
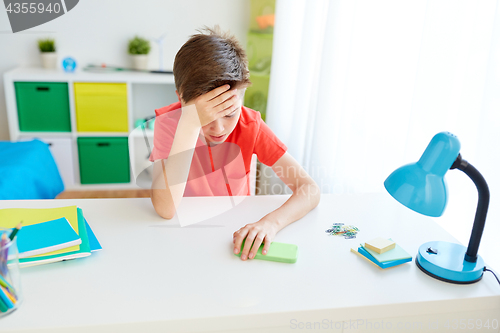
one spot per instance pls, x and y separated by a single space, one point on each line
10 280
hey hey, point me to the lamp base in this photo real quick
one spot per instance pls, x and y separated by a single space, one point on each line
445 261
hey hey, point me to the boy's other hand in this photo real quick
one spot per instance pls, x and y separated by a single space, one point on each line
262 231
216 103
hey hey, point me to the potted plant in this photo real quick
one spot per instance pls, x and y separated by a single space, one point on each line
139 48
48 53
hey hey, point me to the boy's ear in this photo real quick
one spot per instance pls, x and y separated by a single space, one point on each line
178 96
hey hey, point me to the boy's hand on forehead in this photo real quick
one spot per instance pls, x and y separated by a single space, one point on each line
217 103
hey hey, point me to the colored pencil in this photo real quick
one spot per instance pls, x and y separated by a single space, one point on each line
3 306
15 231
3 254
4 283
8 287
9 295
5 299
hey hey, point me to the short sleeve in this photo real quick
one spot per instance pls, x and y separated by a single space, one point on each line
164 133
268 146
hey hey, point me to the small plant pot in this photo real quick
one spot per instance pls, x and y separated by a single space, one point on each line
140 61
49 60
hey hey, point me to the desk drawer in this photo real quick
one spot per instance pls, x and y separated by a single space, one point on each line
43 106
61 149
62 152
101 107
103 160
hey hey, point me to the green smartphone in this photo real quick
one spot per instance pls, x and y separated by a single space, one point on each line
281 252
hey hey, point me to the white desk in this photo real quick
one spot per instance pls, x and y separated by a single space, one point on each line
153 276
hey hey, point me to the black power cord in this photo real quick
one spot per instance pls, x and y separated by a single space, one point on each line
489 270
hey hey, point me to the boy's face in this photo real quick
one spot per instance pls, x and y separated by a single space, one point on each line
218 130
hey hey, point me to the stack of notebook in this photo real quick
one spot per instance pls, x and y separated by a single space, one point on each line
383 253
50 235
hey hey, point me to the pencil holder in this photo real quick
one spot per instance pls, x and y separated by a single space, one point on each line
10 282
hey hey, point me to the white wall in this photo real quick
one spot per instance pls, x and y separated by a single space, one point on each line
97 31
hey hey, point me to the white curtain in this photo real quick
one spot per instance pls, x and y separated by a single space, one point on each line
359 88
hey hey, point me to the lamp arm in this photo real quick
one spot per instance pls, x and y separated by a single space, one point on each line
482 205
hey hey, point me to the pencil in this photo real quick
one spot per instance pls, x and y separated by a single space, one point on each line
3 306
15 231
3 254
3 240
9 295
5 299
4 283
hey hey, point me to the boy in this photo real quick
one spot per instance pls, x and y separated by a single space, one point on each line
204 143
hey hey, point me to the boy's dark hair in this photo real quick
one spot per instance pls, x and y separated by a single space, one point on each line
208 61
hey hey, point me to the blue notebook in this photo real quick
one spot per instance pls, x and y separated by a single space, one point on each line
385 264
94 243
46 237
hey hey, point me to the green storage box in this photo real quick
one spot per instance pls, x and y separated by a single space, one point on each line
103 160
259 52
43 106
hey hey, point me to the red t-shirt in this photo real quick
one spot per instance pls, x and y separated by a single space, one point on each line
222 169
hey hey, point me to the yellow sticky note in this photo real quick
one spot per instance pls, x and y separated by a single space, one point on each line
10 218
380 245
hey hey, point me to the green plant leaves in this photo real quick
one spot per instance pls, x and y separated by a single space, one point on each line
138 45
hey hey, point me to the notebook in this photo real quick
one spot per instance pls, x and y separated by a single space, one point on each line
356 252
385 264
45 237
83 251
395 254
94 243
10 217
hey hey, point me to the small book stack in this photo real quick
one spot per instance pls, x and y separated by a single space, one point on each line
50 235
382 252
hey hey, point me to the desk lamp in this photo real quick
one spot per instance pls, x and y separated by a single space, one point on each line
421 187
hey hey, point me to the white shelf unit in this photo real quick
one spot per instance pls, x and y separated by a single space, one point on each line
145 93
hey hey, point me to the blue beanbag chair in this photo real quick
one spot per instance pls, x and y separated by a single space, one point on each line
28 171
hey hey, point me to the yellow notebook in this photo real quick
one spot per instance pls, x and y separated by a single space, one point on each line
10 218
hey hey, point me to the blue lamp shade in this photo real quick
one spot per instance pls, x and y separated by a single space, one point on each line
421 186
